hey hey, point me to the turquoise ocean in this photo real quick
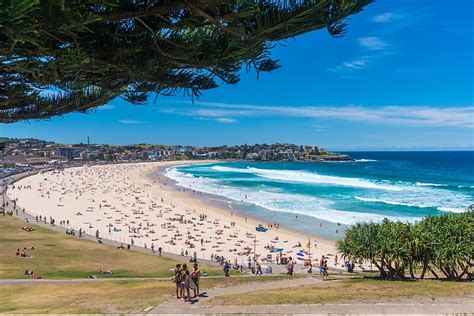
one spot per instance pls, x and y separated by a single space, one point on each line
324 198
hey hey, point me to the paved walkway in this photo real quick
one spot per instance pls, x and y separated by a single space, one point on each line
400 308
175 306
72 281
405 306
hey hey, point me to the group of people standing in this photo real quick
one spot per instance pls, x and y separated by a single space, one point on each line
186 281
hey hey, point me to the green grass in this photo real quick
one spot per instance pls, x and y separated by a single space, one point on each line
112 296
60 256
97 297
351 290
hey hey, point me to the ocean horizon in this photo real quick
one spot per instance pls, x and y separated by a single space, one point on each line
324 198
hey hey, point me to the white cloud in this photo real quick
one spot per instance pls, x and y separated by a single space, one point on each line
393 114
210 116
131 122
386 17
226 120
221 113
372 43
358 63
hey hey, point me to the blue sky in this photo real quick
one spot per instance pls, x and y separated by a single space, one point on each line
400 79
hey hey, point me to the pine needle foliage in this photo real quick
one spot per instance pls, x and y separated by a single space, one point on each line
61 56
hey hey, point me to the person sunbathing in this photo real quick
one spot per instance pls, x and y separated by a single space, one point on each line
105 271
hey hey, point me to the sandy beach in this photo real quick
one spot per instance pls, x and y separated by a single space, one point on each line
126 202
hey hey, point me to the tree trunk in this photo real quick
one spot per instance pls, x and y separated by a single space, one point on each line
412 271
425 267
380 267
447 272
434 273
464 271
391 271
455 273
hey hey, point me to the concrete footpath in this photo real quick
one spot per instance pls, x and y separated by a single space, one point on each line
203 304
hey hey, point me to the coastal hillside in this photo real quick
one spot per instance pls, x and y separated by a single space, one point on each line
30 151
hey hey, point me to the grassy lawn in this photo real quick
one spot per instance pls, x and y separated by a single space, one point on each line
96 297
352 290
100 297
59 256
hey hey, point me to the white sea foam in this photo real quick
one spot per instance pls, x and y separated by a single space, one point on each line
307 177
374 200
451 209
422 184
279 201
365 160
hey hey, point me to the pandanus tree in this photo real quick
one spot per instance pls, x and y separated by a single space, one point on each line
61 56
420 249
362 243
451 244
439 244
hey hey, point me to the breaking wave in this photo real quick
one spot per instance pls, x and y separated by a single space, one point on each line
307 177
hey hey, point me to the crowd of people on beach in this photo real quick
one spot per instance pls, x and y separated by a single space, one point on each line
131 207
160 227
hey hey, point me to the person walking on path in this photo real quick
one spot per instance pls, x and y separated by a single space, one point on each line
258 270
290 266
226 269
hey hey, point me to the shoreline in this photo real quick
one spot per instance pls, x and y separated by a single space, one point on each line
315 227
220 204
137 178
216 205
